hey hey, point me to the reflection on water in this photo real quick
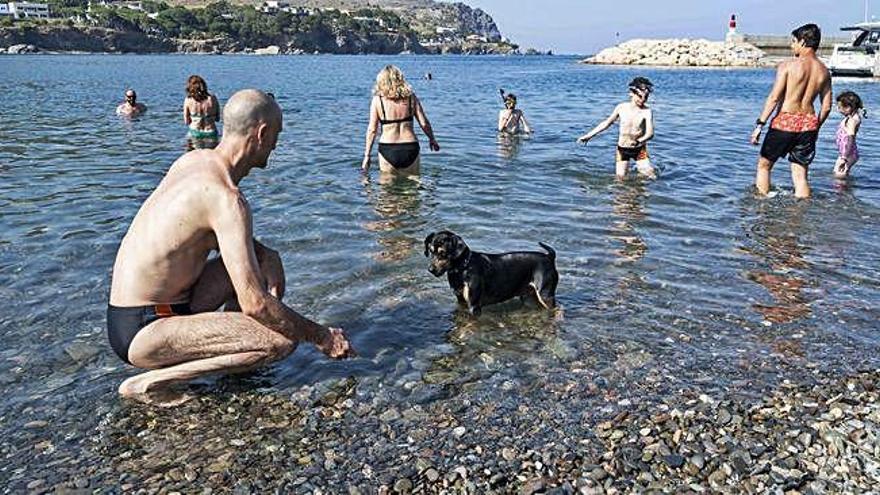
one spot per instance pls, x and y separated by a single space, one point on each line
509 145
628 210
775 237
193 143
397 200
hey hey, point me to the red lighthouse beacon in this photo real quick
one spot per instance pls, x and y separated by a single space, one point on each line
732 35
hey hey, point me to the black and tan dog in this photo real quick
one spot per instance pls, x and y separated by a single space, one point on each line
480 279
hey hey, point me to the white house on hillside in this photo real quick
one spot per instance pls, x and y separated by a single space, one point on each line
25 10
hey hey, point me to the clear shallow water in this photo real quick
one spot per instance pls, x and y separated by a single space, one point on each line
688 279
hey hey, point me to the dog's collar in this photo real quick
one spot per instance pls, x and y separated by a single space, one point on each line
467 258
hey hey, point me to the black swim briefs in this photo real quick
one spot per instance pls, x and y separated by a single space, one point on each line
799 146
637 153
124 323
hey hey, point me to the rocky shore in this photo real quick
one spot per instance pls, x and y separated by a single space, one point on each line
103 40
680 52
356 436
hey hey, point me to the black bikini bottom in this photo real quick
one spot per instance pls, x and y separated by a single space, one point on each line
400 155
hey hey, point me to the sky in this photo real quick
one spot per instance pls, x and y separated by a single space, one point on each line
587 26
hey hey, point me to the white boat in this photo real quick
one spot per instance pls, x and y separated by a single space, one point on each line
858 58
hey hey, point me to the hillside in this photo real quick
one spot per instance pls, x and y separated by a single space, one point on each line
308 26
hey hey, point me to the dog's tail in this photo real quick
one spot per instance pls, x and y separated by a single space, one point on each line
550 251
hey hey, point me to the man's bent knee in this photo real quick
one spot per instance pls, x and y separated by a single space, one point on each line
280 348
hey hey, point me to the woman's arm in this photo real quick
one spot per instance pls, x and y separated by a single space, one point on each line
425 124
605 124
186 118
372 129
216 108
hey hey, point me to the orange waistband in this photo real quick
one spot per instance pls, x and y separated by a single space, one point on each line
795 122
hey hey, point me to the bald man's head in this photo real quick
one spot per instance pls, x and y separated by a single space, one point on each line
247 109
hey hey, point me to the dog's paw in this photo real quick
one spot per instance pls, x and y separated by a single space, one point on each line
558 313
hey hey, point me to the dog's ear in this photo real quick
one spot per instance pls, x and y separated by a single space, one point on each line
459 246
428 242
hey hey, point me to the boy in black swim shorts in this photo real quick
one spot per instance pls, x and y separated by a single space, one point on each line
636 129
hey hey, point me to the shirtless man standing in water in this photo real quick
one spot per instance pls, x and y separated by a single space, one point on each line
131 107
794 129
165 291
636 129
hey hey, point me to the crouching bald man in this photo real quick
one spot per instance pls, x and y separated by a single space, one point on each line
165 292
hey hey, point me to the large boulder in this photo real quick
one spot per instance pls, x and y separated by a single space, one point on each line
680 52
269 50
22 48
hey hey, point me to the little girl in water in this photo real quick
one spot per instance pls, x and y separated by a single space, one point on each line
850 105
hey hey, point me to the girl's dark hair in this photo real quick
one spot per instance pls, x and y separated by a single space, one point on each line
197 88
852 100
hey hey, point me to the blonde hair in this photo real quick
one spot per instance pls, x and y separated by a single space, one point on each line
391 84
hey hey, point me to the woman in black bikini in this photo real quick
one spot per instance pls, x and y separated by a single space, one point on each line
394 106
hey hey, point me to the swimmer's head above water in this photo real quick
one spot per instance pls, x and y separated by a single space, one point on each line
196 88
640 88
391 84
510 101
131 96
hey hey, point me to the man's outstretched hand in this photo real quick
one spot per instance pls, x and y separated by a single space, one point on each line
336 345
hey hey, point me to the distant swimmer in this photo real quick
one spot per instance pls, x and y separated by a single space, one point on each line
131 107
394 106
201 112
429 76
165 290
850 106
794 129
512 120
636 129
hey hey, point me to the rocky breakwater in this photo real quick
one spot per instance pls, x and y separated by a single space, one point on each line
680 52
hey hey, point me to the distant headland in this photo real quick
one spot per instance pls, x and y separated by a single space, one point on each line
267 27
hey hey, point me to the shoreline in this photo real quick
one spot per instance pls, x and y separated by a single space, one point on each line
352 435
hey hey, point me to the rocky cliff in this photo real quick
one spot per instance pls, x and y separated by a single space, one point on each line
102 40
90 39
339 27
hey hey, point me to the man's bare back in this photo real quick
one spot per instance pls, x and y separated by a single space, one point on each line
165 292
169 240
805 79
795 126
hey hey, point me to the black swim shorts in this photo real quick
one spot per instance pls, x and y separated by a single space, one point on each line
637 153
124 323
799 146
